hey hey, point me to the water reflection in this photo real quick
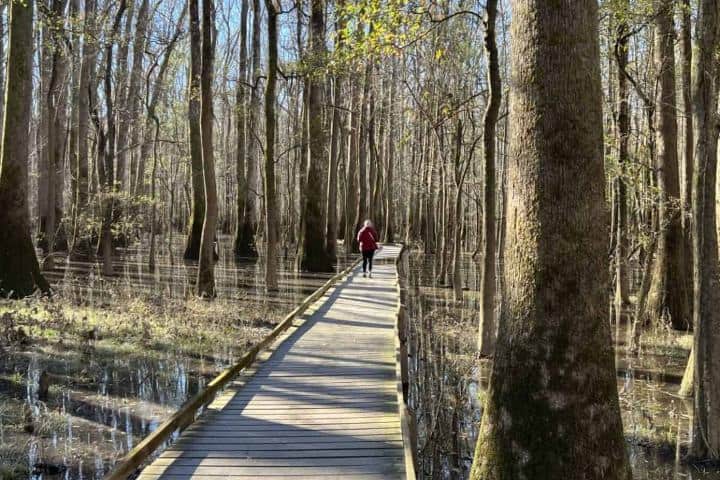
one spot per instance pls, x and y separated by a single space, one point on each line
448 382
71 410
235 278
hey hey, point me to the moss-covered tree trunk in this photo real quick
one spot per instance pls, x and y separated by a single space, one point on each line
19 270
313 254
552 409
206 266
706 271
271 213
192 247
669 294
488 280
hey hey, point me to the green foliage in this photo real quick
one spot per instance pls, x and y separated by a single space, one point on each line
373 29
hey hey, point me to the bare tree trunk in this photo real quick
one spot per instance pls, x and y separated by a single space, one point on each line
313 255
121 102
271 227
337 140
75 63
241 120
81 249
622 285
688 134
19 270
361 212
389 230
706 272
105 246
129 130
153 124
669 295
351 195
553 395
206 267
2 62
460 173
331 230
245 243
192 247
488 281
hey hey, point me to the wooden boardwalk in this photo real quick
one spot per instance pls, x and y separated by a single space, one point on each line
322 405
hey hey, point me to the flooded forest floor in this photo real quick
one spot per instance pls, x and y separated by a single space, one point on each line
86 374
448 382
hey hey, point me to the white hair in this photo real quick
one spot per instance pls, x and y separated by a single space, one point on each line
368 223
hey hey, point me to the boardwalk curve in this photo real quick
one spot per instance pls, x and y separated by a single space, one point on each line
322 405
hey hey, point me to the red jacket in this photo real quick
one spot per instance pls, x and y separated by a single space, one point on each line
368 237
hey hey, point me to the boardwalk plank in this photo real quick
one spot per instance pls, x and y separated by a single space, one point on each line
324 405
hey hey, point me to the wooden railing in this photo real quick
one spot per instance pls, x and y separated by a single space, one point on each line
407 419
188 412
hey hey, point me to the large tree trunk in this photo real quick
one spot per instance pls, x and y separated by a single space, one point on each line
488 326
19 270
271 223
706 272
245 242
313 255
192 247
669 294
552 408
206 267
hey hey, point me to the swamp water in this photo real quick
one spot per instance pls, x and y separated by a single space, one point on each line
447 379
70 408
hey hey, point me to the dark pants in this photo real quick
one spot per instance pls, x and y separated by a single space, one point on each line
367 260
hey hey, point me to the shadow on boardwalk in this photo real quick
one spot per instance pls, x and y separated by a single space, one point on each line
324 405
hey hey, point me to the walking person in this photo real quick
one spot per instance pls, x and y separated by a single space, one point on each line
368 238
